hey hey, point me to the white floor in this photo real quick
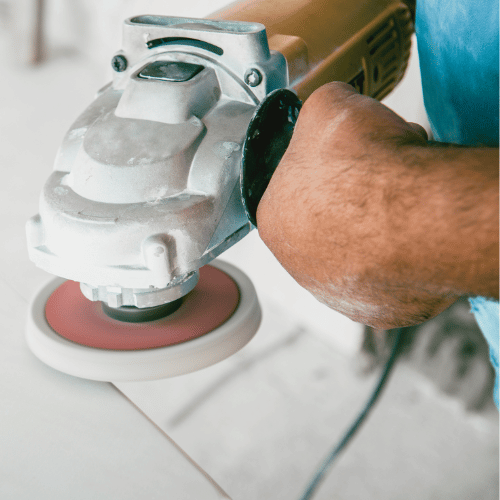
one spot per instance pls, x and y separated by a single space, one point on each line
258 423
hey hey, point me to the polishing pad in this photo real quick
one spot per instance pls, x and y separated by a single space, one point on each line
74 335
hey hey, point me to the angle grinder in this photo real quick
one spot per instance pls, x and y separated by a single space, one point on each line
165 169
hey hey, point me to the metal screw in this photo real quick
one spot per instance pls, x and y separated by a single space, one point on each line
119 63
253 77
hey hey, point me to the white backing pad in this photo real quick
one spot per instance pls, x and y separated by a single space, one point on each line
148 364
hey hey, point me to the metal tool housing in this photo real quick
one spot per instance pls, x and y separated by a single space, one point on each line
145 188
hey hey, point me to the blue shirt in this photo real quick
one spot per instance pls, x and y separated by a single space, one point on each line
459 55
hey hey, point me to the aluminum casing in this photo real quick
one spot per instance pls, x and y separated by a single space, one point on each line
145 188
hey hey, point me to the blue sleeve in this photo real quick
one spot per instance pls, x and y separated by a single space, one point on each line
459 53
487 317
459 62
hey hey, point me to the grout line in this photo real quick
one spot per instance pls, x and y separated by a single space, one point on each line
221 492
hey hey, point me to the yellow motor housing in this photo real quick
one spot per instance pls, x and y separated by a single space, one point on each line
366 44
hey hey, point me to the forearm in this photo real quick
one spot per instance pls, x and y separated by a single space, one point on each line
374 220
412 239
451 218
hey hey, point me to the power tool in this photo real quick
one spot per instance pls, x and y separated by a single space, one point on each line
164 171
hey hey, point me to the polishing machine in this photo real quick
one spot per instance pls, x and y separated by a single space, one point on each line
164 171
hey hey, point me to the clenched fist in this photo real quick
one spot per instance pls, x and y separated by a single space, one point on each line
375 221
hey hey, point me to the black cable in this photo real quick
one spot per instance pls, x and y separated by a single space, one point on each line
319 476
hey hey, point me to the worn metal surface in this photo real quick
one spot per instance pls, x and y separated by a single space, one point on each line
146 183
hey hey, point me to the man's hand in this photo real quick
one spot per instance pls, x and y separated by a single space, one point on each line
376 222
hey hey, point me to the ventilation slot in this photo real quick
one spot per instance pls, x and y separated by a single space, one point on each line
384 49
380 32
381 37
382 92
159 42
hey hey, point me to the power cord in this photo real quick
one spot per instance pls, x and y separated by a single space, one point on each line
324 467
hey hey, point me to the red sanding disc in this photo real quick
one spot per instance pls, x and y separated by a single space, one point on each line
207 306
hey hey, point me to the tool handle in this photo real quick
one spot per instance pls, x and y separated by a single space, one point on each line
362 43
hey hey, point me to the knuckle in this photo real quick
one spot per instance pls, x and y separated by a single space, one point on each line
314 104
331 93
334 102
